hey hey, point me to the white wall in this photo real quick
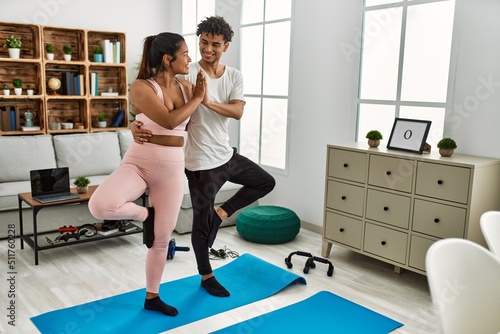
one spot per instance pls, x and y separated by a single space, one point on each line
323 89
475 118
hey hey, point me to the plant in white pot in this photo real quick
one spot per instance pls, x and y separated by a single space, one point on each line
67 49
6 90
49 48
81 183
101 120
30 90
14 45
18 86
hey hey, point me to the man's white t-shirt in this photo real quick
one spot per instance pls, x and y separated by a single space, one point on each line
207 144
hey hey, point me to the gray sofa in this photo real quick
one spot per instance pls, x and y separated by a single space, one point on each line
93 155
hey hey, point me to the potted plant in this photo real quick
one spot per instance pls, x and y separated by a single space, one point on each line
29 90
67 49
14 45
18 86
374 138
101 120
446 147
81 183
6 90
98 57
50 51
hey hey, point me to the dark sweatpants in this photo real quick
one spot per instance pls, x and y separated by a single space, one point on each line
204 185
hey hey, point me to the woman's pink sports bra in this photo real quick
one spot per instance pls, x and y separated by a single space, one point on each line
154 127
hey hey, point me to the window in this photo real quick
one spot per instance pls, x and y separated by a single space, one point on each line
193 11
405 64
265 61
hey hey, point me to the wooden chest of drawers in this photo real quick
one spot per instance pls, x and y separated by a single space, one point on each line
392 205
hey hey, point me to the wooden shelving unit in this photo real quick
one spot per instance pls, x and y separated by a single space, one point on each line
35 70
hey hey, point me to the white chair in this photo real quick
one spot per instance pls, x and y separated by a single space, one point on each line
490 226
464 280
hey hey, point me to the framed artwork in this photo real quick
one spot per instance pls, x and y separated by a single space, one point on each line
409 135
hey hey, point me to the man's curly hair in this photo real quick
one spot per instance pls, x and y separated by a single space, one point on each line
215 25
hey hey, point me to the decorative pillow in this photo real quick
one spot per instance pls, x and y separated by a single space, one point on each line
88 154
20 154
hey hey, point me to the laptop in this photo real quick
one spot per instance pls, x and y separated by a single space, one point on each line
51 185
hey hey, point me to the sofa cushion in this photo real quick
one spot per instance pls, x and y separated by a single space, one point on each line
88 154
125 137
20 154
8 194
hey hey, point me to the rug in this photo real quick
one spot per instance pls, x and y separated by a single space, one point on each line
323 312
248 278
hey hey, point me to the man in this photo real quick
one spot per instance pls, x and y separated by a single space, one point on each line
210 160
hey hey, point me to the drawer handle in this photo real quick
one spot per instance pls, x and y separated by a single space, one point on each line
341 230
436 220
344 198
383 243
440 182
388 172
346 165
386 208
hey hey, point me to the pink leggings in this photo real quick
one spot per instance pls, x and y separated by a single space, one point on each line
145 166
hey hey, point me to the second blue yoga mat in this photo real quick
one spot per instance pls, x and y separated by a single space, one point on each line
324 312
248 278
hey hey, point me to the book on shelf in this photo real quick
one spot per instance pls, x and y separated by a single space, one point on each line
67 83
107 232
94 77
78 88
13 119
109 93
117 118
5 119
30 128
107 49
116 52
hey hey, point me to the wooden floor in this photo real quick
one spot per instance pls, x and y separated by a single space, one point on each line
73 275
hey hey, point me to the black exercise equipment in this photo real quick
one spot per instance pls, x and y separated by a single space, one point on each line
310 264
288 260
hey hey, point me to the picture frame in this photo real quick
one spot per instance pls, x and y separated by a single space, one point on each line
409 135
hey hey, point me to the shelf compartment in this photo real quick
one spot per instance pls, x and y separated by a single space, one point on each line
60 37
19 108
108 107
67 111
30 37
29 73
114 77
95 38
59 71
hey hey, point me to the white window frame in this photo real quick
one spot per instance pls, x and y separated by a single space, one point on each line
262 96
397 103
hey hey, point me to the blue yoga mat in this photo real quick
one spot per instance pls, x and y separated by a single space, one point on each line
248 278
323 312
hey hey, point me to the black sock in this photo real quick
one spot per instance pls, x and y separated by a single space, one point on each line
149 228
156 304
214 287
214 228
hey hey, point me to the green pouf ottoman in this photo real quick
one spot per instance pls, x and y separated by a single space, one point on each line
267 224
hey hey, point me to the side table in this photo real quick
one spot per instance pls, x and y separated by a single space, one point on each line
32 239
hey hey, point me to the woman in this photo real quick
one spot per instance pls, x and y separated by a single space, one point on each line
163 104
